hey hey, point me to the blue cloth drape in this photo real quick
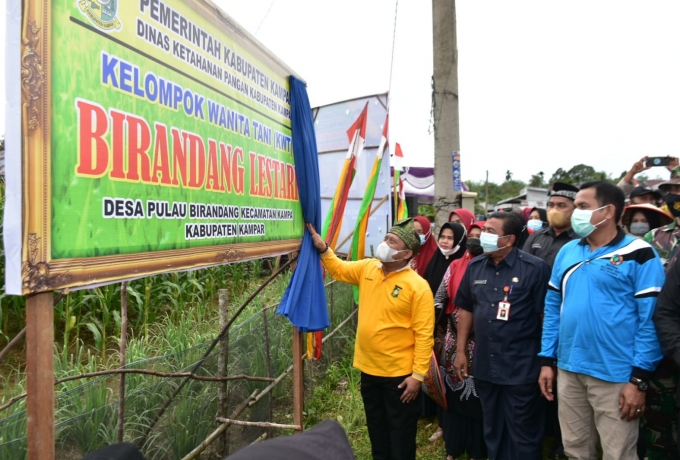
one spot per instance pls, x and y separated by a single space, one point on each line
304 302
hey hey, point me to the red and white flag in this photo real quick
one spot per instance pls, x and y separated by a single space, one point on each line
357 137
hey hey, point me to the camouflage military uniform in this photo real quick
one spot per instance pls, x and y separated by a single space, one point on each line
665 240
659 425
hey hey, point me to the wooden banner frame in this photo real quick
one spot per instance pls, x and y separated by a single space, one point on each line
41 273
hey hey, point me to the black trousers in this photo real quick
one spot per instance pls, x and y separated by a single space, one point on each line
392 425
513 420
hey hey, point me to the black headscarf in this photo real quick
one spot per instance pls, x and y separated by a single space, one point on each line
436 269
543 214
519 244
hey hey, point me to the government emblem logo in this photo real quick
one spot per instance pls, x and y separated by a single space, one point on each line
102 13
616 260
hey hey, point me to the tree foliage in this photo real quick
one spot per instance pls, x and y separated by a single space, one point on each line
537 180
497 192
426 210
580 174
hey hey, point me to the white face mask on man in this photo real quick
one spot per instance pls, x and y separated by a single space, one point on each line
384 253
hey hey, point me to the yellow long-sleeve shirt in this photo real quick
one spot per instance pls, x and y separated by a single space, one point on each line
396 317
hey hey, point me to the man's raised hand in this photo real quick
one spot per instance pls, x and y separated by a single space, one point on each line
319 243
640 166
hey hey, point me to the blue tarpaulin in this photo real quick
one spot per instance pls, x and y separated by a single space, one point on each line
304 302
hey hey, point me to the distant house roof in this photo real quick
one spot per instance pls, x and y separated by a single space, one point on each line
523 195
514 199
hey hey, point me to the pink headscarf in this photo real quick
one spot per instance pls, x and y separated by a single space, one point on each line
466 217
479 224
420 262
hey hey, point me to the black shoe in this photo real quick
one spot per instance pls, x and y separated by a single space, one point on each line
558 451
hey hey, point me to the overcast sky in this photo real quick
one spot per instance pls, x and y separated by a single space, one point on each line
542 85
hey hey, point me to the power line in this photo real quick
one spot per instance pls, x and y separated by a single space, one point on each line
394 38
265 16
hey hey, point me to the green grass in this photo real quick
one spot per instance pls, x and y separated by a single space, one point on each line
337 396
86 411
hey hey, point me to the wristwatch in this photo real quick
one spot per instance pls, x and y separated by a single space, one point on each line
641 385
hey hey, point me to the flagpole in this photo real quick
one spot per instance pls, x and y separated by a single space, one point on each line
396 196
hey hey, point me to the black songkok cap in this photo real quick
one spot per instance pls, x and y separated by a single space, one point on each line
565 190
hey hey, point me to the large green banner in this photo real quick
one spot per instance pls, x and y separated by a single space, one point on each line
168 138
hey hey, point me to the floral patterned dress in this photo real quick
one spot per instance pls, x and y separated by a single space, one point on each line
462 396
462 423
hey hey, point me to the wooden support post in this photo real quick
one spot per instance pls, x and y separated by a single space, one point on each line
123 352
330 347
270 369
223 371
196 453
258 424
40 375
298 378
310 369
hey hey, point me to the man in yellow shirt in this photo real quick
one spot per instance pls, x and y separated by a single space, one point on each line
394 337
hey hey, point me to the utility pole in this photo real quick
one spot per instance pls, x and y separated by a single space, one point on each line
486 195
445 107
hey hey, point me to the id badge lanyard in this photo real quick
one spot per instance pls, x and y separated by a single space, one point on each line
503 312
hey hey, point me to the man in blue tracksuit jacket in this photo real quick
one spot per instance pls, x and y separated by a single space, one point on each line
598 326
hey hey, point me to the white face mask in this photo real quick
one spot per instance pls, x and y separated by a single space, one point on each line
448 252
384 253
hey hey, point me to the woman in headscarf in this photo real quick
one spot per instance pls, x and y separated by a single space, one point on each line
463 217
462 422
475 230
638 219
428 244
526 231
451 246
538 219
